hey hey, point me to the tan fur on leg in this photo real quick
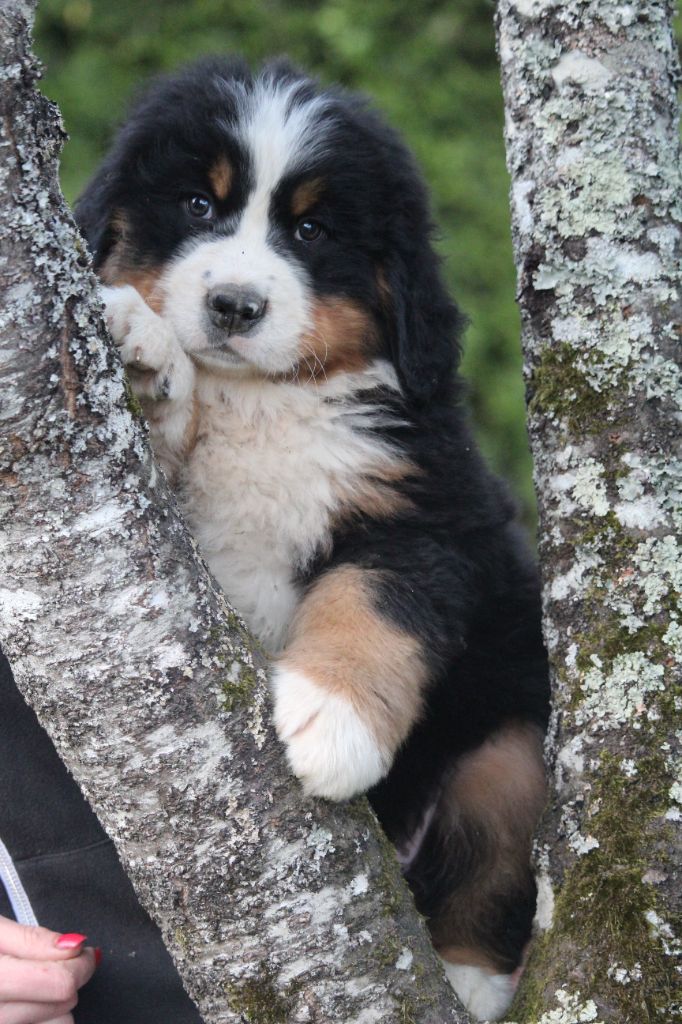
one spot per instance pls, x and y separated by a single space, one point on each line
496 793
494 797
348 687
339 639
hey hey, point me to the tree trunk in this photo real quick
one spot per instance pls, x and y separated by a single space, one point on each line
593 151
274 908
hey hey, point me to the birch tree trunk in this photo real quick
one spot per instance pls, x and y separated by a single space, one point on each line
273 908
592 134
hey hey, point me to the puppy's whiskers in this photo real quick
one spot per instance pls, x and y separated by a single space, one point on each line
316 358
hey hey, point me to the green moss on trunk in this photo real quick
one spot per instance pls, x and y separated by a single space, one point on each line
259 1000
606 913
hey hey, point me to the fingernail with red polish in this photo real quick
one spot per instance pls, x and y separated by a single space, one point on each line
70 941
98 956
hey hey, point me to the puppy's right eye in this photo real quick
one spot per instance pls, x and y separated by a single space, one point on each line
199 207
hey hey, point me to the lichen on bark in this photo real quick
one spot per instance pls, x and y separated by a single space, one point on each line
592 132
149 685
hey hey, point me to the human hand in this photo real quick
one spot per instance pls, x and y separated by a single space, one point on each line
40 973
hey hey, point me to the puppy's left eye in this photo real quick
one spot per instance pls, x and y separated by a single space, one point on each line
199 207
308 230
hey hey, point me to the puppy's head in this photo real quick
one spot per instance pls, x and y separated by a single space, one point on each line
279 226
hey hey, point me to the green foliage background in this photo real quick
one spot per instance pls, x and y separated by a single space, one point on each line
428 64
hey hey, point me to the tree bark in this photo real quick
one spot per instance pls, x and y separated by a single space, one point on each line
274 908
592 132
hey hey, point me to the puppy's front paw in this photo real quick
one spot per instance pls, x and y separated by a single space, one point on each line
150 352
329 747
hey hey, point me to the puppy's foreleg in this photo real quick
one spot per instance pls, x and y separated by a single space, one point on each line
348 686
161 374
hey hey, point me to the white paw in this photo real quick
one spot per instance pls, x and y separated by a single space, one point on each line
486 996
147 345
329 747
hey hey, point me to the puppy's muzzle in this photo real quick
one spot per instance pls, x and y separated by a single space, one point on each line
235 309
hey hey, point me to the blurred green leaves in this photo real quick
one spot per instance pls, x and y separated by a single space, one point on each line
428 64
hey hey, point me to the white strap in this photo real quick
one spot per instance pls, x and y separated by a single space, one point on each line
21 905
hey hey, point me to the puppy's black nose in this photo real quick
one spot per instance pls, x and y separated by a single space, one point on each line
234 308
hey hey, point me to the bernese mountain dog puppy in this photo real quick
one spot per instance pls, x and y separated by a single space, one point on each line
265 244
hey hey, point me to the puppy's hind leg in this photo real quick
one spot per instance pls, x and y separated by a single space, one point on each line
472 876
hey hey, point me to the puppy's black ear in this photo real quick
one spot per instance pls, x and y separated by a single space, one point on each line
95 215
425 323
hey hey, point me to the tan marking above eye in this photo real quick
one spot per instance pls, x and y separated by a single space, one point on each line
220 176
306 195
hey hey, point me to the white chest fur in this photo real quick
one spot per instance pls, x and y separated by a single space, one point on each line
272 466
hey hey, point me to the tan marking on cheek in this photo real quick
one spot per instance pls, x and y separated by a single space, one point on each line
343 338
120 267
146 282
220 176
384 289
306 195
339 640
119 255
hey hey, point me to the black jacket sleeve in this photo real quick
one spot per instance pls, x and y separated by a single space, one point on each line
74 879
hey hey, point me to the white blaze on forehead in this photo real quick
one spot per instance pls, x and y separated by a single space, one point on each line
281 129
